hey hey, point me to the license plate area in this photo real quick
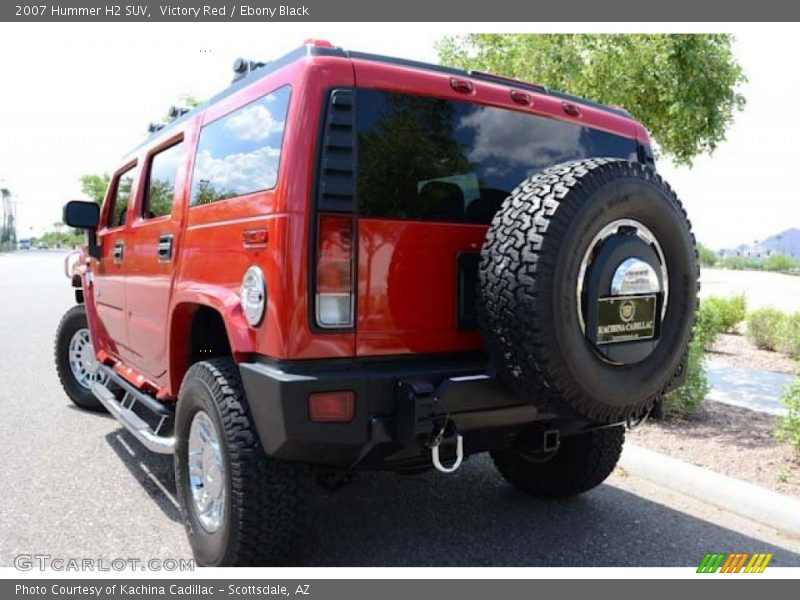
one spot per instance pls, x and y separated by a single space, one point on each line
626 319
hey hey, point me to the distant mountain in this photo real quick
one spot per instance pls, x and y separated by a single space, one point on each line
787 242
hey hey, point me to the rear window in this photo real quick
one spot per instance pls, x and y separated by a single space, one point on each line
239 154
441 160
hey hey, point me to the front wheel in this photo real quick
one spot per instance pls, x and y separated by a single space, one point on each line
76 363
581 463
240 507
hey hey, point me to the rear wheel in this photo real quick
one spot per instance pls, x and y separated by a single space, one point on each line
76 363
581 463
240 507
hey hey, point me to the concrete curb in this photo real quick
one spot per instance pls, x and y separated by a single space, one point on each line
745 499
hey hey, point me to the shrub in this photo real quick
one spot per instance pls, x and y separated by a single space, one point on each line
691 394
709 323
765 328
788 427
740 263
706 256
790 338
780 262
730 311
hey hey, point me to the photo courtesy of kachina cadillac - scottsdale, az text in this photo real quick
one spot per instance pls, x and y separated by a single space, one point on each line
329 294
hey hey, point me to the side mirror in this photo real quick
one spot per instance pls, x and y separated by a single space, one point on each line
84 215
81 215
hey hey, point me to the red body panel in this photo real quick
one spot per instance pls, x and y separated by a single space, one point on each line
407 286
139 310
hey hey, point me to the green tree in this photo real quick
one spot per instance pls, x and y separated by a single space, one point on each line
780 262
684 88
94 186
706 256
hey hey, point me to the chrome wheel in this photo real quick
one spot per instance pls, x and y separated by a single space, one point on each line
206 472
82 360
641 272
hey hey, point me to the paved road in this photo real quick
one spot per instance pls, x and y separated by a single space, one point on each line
76 485
748 388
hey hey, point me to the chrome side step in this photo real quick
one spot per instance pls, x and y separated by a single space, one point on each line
122 411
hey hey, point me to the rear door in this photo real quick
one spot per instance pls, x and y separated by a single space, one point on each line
433 168
109 274
151 248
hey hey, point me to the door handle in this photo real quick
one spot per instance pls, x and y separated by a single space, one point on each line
165 247
119 251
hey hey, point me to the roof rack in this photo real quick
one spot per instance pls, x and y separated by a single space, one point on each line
243 67
176 112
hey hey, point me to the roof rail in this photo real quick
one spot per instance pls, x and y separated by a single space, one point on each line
243 66
175 112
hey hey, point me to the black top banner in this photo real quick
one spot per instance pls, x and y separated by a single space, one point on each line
409 10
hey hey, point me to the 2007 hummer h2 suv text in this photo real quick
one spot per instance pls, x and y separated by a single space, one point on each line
346 262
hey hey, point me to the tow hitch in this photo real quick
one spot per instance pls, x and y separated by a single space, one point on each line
447 431
436 416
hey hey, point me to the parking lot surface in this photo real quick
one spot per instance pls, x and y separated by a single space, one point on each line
76 485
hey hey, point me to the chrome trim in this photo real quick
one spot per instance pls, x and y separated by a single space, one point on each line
255 275
206 472
634 276
70 262
148 437
82 360
612 228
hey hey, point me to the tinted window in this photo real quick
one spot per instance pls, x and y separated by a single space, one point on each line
424 158
239 153
161 182
121 198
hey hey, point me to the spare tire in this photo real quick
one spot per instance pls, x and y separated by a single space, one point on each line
588 289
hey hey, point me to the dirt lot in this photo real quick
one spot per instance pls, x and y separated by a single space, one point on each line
733 441
737 351
760 288
727 439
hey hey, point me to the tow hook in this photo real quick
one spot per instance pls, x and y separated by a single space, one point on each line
448 430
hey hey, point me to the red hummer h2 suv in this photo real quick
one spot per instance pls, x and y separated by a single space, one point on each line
346 262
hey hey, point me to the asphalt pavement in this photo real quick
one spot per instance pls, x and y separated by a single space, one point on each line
76 485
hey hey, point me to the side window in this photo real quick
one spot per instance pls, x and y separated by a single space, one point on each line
239 153
121 198
160 192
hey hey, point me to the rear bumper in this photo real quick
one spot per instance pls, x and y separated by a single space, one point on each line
398 405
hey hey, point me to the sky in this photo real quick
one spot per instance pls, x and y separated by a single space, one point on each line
75 97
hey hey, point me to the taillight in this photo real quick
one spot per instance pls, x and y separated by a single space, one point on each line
334 285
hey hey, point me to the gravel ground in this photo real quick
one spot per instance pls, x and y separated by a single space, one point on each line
737 351
730 440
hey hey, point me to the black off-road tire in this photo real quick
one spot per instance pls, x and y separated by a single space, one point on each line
264 503
73 320
582 462
528 280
